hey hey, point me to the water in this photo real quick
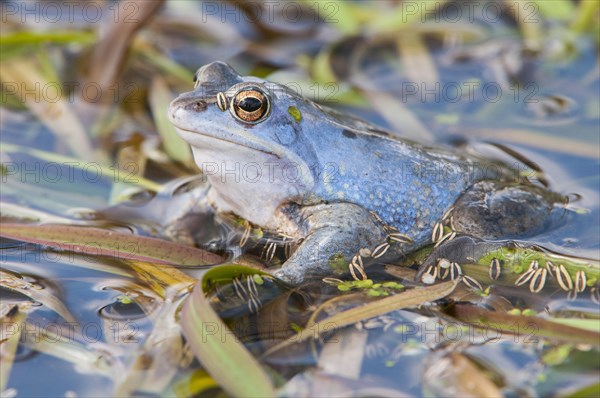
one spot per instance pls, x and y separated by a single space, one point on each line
543 107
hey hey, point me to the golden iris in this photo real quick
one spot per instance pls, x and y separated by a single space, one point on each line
250 105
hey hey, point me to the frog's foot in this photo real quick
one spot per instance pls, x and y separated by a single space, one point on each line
510 263
336 232
493 210
451 254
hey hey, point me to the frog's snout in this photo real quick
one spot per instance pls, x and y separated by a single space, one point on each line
183 105
173 110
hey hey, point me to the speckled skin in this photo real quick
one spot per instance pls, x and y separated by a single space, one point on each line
321 175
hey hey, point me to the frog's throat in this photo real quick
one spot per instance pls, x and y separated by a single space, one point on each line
282 155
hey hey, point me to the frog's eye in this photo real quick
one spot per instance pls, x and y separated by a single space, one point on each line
250 105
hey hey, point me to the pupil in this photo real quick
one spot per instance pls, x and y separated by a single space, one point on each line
250 104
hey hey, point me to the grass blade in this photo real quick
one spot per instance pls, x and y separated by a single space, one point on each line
408 299
219 351
10 334
56 114
532 326
102 242
174 145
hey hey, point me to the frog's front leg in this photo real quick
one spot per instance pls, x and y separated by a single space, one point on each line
335 232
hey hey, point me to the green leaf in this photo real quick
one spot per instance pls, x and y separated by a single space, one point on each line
556 9
174 145
166 65
192 384
557 355
585 16
586 324
219 351
103 242
406 14
225 273
587 392
56 36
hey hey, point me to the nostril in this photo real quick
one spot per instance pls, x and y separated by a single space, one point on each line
173 112
196 106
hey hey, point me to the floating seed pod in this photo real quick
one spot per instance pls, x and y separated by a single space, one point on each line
551 268
534 265
357 265
271 247
572 295
495 269
472 283
448 237
563 278
580 281
444 272
429 275
400 238
538 280
455 271
525 277
437 233
245 236
447 213
444 263
240 290
380 250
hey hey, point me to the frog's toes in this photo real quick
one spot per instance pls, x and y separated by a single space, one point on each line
292 275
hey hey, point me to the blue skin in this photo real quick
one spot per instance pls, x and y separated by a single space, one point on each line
311 173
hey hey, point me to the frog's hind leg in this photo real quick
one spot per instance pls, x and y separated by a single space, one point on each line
335 233
496 210
492 215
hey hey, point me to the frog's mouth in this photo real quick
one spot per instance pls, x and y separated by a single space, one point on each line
189 135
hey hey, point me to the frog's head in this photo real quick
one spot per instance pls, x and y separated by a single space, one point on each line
253 139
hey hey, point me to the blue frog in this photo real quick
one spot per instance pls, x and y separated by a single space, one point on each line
338 184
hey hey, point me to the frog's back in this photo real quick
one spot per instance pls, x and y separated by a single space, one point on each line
407 184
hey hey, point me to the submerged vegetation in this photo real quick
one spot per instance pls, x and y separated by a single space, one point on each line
108 289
